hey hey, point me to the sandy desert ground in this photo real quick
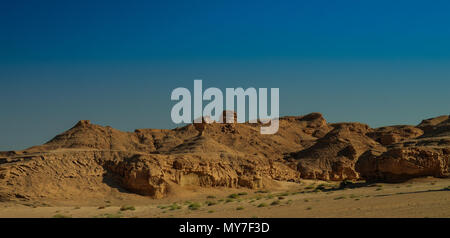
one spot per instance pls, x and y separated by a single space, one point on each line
425 197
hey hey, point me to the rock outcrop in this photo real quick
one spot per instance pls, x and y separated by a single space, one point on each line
394 134
90 160
333 156
400 164
418 156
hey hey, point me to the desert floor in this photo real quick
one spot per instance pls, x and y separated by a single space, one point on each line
426 197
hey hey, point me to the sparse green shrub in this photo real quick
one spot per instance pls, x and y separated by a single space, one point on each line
194 206
210 203
127 208
262 205
274 203
240 208
233 195
174 206
61 216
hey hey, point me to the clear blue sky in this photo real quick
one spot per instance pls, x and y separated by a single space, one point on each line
116 62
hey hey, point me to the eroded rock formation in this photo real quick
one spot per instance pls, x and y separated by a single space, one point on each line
90 160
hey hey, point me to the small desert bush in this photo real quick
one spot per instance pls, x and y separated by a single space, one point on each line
211 197
262 205
270 196
127 208
61 216
242 194
194 206
233 195
210 203
174 206
274 203
240 208
229 200
339 198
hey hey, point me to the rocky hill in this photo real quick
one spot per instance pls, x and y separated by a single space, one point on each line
88 160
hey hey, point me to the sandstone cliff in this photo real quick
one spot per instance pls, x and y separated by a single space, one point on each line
90 160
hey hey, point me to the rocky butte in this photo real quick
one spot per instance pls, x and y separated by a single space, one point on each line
89 159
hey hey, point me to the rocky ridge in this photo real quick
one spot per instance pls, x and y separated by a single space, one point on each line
88 159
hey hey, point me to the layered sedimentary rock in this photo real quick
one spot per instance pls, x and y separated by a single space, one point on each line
91 160
333 156
393 134
418 156
399 164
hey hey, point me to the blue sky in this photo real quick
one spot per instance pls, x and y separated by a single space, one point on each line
116 62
